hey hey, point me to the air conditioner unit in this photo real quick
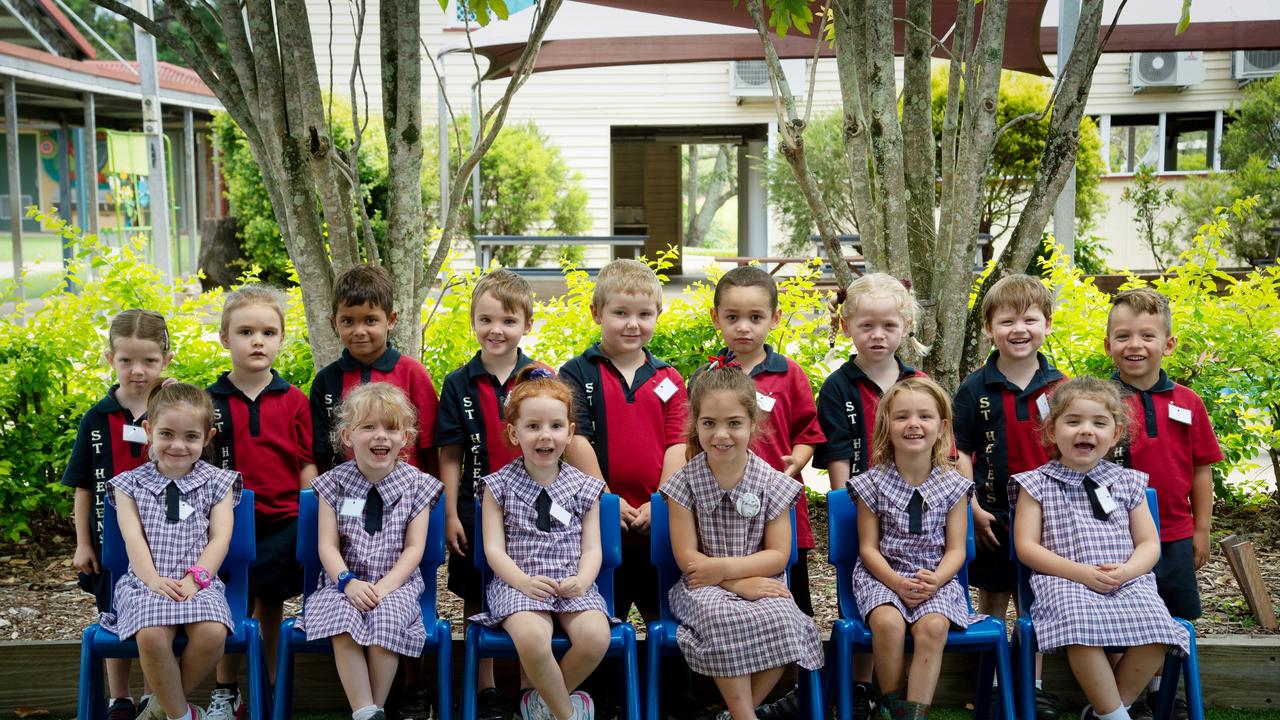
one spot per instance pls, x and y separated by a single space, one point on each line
750 78
1254 64
1169 70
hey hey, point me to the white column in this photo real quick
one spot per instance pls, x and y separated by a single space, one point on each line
153 126
15 189
753 211
90 179
189 185
1064 209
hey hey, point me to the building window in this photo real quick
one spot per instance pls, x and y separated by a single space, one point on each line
1167 142
1134 142
1189 142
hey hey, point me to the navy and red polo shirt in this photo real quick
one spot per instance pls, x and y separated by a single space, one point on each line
470 416
997 423
630 426
267 439
847 405
1170 435
793 420
336 379
101 452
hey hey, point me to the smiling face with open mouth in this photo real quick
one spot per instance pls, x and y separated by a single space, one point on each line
1017 335
177 435
1137 343
376 444
1084 433
498 329
542 431
914 424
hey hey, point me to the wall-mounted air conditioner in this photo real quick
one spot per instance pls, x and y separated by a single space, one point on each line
750 78
1254 64
1166 70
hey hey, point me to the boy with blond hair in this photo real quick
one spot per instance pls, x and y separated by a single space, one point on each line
1172 440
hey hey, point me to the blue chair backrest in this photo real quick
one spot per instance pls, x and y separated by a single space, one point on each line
610 549
663 558
843 549
235 567
1025 595
308 550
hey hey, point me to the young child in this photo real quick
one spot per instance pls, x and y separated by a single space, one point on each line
912 523
372 532
1173 442
745 310
176 516
730 516
264 431
472 438
542 540
111 441
878 312
998 411
1084 527
620 390
363 317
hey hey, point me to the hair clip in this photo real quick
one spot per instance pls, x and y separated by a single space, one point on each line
906 283
541 374
722 361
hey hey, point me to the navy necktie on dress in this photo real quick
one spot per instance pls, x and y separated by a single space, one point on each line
1091 488
544 511
171 497
373 511
915 513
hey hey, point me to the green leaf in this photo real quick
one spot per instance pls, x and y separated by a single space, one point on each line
1186 17
499 8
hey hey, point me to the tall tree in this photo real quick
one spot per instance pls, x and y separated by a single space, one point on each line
707 192
918 205
258 58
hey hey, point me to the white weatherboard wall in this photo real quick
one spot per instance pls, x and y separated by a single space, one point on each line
577 108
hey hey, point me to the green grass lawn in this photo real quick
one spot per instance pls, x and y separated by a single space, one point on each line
43 247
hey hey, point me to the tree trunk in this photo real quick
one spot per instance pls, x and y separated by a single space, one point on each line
719 190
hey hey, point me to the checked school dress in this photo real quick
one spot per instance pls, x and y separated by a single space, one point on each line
396 622
722 634
175 547
554 553
1066 612
887 495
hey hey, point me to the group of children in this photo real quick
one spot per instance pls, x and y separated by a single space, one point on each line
538 449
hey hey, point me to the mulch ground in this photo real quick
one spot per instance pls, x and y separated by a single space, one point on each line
39 599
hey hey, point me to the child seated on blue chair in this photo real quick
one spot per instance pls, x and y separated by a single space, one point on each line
541 522
730 518
175 515
1083 526
912 525
372 533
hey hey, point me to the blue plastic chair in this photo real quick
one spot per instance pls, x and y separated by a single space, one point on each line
661 633
850 633
98 644
294 640
486 642
1025 646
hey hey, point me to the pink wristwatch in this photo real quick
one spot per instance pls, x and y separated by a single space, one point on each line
200 575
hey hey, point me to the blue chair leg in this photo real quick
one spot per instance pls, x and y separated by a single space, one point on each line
255 670
1026 682
811 694
1004 674
982 694
1168 687
1191 680
470 673
90 689
444 670
282 707
653 670
842 673
630 673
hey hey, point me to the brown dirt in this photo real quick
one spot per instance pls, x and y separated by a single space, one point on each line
39 599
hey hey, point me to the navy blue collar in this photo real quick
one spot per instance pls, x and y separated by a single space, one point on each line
593 354
854 372
1045 374
224 386
773 362
475 368
385 362
1163 384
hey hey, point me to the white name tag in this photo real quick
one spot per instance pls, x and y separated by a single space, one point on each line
1107 502
1042 404
1179 414
765 402
184 510
665 389
134 434
353 507
560 514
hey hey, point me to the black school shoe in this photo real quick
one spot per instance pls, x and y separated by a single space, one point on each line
489 706
1140 710
1179 705
785 708
121 709
1047 707
864 707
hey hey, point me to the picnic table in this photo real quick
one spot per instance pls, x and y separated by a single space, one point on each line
486 245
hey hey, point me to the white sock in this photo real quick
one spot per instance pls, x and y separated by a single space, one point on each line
364 713
1120 713
1154 685
1039 684
184 716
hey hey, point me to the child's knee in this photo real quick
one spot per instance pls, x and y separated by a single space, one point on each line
592 637
210 633
887 621
154 640
931 629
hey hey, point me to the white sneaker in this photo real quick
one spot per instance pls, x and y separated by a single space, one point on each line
150 709
725 715
583 706
533 707
225 705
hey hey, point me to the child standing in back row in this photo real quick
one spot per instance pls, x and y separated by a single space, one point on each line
999 408
111 441
1085 529
472 436
264 431
878 313
1173 442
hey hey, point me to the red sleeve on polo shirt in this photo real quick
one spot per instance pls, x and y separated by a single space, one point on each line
676 410
302 426
1172 455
